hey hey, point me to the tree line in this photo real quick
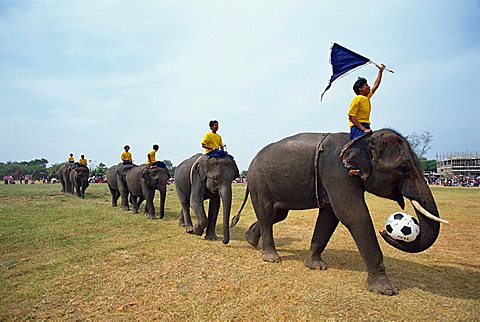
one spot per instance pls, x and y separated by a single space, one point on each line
38 168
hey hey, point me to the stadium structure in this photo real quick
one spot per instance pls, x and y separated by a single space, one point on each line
459 163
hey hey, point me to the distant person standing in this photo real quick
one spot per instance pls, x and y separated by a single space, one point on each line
126 156
71 159
212 141
152 158
82 162
360 107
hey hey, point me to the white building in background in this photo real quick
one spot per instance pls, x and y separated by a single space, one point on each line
464 163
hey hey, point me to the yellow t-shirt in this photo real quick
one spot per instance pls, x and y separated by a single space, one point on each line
360 108
71 159
82 161
212 139
151 158
126 156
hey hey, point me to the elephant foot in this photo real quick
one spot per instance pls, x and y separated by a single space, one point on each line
271 257
126 208
315 263
152 217
252 238
198 230
189 229
135 211
211 237
380 285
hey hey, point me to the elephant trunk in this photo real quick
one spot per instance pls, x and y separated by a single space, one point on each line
429 222
163 196
226 196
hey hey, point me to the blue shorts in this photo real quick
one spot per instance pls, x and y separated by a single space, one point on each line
159 164
355 132
125 162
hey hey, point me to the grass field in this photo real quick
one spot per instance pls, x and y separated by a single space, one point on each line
63 258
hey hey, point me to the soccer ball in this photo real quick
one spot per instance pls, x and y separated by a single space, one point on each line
402 226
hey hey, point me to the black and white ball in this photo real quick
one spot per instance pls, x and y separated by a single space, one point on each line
402 226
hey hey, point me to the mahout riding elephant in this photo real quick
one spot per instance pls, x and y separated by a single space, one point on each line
116 180
142 181
64 177
79 180
311 170
199 178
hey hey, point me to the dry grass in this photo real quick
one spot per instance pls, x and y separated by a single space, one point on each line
63 258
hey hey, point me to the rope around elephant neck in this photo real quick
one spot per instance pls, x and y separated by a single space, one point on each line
318 150
191 169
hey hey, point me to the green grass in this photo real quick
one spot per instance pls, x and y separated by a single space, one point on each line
63 258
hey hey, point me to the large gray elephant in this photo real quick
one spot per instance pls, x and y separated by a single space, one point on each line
79 180
64 177
311 170
142 181
199 178
116 180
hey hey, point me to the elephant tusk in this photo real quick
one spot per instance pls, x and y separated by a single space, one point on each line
418 207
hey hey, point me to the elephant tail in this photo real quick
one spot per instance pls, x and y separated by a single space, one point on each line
236 218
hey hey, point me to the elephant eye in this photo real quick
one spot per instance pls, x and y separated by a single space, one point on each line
403 168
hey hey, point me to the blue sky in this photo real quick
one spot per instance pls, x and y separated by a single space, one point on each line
89 77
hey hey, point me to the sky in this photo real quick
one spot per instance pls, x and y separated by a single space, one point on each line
88 77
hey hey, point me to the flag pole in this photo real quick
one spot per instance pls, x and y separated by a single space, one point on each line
388 70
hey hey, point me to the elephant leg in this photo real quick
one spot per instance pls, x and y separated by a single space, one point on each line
202 221
115 196
123 192
134 200
185 220
361 228
149 207
270 216
253 234
213 208
326 224
139 203
181 220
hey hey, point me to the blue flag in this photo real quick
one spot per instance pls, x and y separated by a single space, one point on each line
343 60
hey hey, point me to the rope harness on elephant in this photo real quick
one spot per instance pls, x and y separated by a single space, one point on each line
319 148
191 169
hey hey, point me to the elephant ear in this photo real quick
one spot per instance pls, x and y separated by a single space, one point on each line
388 150
237 172
356 155
147 177
199 169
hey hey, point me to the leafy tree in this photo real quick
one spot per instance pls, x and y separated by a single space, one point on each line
428 165
101 169
170 167
244 173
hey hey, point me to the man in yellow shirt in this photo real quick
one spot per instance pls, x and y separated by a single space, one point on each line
212 141
126 156
360 107
82 162
71 159
152 159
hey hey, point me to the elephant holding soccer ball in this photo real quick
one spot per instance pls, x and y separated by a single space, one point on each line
326 171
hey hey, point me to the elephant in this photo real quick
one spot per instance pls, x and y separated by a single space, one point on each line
142 181
79 180
199 178
64 177
312 170
117 184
